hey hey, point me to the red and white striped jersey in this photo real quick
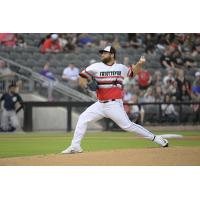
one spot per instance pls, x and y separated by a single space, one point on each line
109 79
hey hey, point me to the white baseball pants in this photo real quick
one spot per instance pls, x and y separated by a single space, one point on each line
113 110
9 118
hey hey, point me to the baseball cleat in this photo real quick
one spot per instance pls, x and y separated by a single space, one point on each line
161 141
71 150
166 143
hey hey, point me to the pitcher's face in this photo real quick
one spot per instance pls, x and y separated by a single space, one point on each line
106 57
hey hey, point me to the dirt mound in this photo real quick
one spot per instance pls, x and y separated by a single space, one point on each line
172 156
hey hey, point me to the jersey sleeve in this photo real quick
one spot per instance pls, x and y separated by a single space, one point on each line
88 73
19 99
127 71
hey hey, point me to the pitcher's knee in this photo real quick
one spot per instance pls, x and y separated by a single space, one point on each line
126 127
83 118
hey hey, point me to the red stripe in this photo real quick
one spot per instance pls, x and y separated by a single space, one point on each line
109 93
109 82
83 75
109 77
130 72
88 73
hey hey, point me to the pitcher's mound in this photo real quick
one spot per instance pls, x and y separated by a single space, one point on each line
124 157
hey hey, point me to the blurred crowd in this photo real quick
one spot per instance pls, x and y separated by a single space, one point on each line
177 44
177 53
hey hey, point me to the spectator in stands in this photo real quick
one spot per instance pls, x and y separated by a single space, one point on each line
127 95
196 107
103 43
150 50
8 39
136 111
6 75
116 42
189 62
157 78
51 45
185 94
196 84
169 113
134 40
159 97
178 59
20 41
41 42
187 109
135 89
71 75
62 40
170 88
149 96
51 82
183 85
130 83
144 79
195 51
126 61
169 77
161 43
149 42
85 40
166 60
71 42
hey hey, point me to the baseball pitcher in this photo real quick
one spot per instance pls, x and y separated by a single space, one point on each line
106 78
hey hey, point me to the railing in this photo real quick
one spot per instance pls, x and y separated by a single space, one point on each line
34 78
28 107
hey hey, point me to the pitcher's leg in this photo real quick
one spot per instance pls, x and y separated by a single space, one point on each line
120 117
92 113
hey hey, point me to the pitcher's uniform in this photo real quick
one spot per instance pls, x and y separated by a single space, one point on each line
109 104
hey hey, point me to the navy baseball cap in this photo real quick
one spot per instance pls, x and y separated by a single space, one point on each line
109 49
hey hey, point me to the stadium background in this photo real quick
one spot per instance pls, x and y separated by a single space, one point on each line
53 106
24 54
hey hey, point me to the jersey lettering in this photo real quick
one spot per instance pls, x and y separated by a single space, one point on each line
109 79
111 73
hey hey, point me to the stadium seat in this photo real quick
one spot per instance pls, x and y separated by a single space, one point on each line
70 56
15 55
5 54
31 63
41 62
60 56
26 55
82 57
54 63
37 55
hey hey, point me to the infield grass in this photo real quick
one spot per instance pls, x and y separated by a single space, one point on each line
27 144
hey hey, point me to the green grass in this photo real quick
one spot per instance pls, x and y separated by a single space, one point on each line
21 144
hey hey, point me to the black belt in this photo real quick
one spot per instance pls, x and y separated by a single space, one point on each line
108 101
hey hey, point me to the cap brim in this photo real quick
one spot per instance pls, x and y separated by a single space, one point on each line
101 51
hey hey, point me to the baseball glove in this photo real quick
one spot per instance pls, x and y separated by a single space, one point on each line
92 85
